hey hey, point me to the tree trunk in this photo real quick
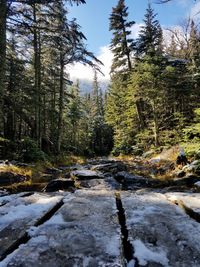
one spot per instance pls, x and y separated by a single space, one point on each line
37 70
3 14
61 103
155 123
140 115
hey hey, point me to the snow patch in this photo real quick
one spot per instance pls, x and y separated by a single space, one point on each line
56 219
26 210
112 247
131 263
197 184
145 255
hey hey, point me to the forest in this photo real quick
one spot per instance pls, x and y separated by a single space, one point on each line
152 100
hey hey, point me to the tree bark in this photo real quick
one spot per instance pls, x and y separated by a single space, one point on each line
156 126
61 103
37 82
3 14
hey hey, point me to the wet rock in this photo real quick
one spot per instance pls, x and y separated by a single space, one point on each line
92 183
127 178
110 167
59 184
9 178
86 175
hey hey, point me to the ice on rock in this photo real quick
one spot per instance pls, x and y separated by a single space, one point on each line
83 232
160 232
145 254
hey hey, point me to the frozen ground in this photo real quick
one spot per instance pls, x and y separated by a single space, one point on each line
88 229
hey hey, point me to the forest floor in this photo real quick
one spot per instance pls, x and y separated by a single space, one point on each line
104 212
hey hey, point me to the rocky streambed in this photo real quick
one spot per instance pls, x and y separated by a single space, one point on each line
103 213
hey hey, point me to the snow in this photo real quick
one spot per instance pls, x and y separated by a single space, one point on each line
191 200
84 232
56 219
131 263
145 254
112 247
160 231
138 215
30 207
11 256
197 184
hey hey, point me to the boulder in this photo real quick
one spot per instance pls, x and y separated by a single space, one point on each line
193 167
180 174
86 175
127 178
59 184
188 180
8 178
110 167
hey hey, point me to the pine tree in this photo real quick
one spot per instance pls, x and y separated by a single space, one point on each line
121 45
150 36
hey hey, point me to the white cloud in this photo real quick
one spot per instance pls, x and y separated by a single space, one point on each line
105 55
81 71
136 29
195 11
179 34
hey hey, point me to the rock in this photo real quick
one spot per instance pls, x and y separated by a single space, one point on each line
193 167
19 214
181 160
197 184
127 178
54 171
8 178
160 232
188 180
86 175
110 167
180 174
83 232
59 184
92 183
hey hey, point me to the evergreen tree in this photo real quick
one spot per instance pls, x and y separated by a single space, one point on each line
150 36
121 45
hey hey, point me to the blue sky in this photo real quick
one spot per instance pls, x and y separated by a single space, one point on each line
94 17
94 20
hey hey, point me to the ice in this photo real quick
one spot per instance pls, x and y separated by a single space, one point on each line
145 254
131 263
191 200
83 232
56 219
158 229
29 207
197 184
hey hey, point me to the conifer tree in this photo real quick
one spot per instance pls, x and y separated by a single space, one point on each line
150 36
121 45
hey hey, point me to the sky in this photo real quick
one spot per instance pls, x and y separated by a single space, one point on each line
93 18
